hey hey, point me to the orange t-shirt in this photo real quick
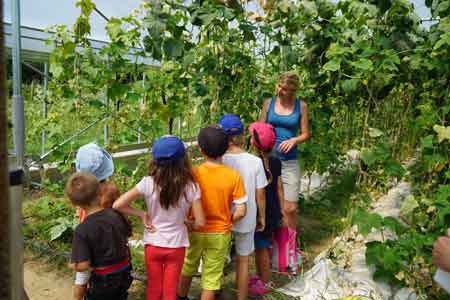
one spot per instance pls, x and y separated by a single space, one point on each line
220 186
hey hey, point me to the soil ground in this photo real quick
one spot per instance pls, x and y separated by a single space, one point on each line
46 281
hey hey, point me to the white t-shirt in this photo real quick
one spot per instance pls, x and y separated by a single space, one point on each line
252 172
171 231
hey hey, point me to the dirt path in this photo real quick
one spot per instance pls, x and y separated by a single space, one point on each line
43 282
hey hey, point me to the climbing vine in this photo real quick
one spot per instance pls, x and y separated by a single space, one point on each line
374 77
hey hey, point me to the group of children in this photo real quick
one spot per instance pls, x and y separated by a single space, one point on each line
191 215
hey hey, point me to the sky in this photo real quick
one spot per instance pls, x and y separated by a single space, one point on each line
45 13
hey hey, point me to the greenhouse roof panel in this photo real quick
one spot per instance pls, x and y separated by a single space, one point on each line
43 14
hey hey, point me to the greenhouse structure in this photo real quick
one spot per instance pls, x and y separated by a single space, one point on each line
367 72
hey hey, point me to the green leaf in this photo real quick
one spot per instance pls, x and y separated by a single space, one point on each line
349 85
374 252
369 157
117 90
393 224
375 132
443 6
337 50
114 28
408 206
394 168
173 48
444 40
427 142
443 132
134 97
366 221
56 70
58 230
86 6
332 65
363 64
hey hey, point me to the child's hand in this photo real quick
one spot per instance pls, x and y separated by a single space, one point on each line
261 224
189 224
147 222
284 219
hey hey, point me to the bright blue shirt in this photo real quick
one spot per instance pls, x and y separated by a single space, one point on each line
286 127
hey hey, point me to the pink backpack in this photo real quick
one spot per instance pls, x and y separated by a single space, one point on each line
286 256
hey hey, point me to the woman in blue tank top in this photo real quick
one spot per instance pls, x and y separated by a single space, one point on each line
289 116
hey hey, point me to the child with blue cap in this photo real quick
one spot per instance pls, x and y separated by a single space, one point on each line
170 192
94 160
253 174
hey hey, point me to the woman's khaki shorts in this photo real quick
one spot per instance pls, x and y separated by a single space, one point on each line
290 176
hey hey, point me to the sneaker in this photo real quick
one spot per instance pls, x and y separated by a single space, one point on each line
259 288
252 280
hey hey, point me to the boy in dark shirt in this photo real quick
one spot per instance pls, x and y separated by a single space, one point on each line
100 242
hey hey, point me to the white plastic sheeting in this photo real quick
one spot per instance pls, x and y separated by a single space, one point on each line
341 271
315 182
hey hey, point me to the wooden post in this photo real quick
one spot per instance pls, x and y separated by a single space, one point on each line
5 250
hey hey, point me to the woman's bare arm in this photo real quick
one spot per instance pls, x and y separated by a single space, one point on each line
304 124
265 109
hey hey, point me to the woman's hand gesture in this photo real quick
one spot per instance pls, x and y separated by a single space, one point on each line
287 145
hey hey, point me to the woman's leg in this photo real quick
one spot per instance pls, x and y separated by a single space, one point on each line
290 210
290 176
172 271
154 262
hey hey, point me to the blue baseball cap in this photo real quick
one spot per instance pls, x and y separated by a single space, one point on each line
231 124
93 159
167 150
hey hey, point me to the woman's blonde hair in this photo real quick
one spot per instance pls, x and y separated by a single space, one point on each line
290 78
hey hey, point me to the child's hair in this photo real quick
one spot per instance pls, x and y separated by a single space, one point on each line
213 141
237 140
81 188
290 78
172 180
108 193
263 155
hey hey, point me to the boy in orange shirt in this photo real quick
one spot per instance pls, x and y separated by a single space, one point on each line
221 190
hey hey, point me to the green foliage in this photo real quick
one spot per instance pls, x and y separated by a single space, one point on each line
373 78
51 219
366 221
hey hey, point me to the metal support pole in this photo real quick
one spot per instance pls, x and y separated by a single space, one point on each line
80 132
45 107
180 126
141 103
16 240
18 104
105 127
5 250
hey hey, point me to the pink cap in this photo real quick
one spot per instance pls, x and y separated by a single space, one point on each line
264 139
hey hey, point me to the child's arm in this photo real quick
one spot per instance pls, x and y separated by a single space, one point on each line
123 205
280 192
80 266
199 215
239 200
261 202
239 213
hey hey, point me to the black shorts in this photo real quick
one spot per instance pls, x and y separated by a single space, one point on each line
109 287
